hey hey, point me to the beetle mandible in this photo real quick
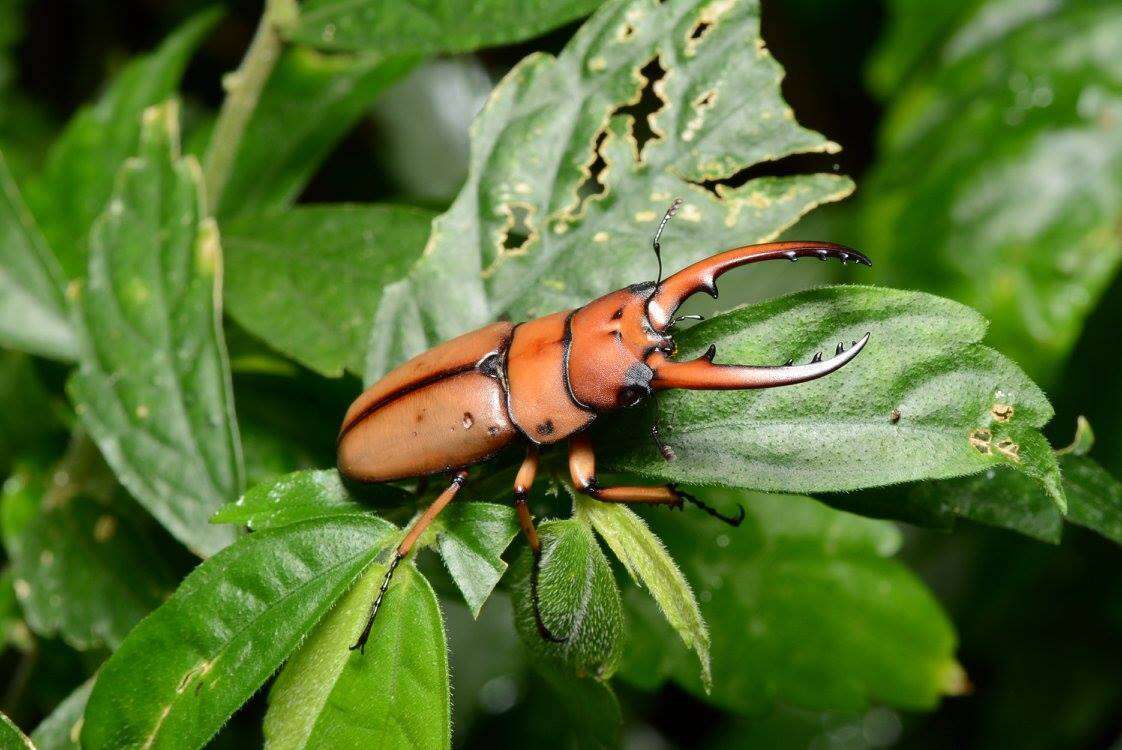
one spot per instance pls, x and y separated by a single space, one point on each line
547 380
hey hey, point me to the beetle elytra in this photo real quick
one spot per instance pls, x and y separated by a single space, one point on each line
547 380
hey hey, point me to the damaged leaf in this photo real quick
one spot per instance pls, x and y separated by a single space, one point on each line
916 403
560 205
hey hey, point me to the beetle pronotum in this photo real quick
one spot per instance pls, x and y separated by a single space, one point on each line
547 380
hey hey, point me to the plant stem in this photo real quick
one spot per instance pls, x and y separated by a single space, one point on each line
243 89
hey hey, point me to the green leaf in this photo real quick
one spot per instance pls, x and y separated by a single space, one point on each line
806 608
557 188
471 538
61 729
310 102
33 313
593 713
911 39
186 668
579 601
393 696
11 738
85 570
1094 495
999 182
80 172
923 400
28 413
305 495
650 565
422 26
153 387
308 280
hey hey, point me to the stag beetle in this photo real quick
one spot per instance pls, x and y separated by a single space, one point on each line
547 380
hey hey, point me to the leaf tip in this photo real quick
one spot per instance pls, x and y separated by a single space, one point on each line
953 680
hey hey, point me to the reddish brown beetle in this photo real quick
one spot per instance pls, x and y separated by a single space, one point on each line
547 380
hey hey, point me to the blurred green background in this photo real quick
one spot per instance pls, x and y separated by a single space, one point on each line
1040 625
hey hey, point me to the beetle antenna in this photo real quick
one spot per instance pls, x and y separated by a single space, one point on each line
658 235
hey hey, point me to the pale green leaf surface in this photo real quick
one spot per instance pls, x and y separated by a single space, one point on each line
186 668
579 601
999 182
82 165
308 280
923 363
309 103
61 729
471 538
542 224
153 386
425 26
302 496
33 315
805 607
651 566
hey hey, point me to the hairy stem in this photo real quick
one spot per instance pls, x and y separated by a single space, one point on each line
243 89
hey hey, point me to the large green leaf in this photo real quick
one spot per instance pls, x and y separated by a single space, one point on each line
11 738
153 388
310 101
999 180
28 413
302 496
651 566
806 607
923 400
425 26
61 729
579 601
33 313
471 538
85 570
186 668
393 696
560 206
308 280
81 168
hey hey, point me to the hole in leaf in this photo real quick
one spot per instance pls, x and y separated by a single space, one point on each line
700 30
518 230
626 32
794 164
648 104
593 185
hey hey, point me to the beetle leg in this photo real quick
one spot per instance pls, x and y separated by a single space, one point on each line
404 548
522 483
582 469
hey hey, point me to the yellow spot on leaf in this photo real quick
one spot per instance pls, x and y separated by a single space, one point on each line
104 528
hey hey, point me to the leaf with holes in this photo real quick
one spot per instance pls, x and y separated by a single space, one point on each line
807 609
308 280
60 730
650 565
303 496
578 598
421 26
999 183
393 696
575 158
82 165
923 400
186 668
471 538
153 387
309 103
33 314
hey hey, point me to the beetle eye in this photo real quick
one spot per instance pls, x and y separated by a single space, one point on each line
631 395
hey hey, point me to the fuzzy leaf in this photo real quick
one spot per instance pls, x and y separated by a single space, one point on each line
33 314
424 26
650 565
185 669
923 400
559 207
308 280
82 165
302 496
309 103
999 183
394 696
806 608
471 538
153 387
61 729
579 601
